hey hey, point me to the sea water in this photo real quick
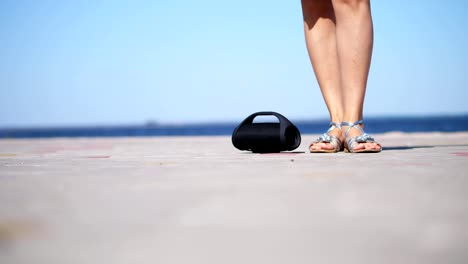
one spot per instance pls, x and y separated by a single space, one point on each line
373 125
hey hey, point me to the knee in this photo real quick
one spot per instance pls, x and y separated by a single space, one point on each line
352 4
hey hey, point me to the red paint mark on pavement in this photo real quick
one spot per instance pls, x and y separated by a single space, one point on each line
460 154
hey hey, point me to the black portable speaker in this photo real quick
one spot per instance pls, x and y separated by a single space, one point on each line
266 137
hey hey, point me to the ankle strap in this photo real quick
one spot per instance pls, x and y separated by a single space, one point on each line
333 125
351 125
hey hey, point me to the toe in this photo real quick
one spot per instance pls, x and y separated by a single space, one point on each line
359 146
316 146
327 146
321 146
372 146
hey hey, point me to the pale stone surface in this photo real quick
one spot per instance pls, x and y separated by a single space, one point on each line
199 200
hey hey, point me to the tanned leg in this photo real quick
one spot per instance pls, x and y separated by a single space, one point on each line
354 36
321 40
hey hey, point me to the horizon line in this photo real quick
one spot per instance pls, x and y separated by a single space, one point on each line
154 124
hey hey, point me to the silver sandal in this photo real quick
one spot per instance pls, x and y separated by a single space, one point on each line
363 138
326 138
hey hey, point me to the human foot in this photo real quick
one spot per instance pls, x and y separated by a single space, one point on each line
356 140
330 141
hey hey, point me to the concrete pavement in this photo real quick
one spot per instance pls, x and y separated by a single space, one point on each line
200 200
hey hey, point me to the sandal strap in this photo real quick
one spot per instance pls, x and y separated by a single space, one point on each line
333 140
333 125
351 125
326 138
363 138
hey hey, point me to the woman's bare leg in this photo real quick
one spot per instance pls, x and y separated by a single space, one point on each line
321 40
354 33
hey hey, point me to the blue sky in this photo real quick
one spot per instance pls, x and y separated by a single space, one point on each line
127 62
